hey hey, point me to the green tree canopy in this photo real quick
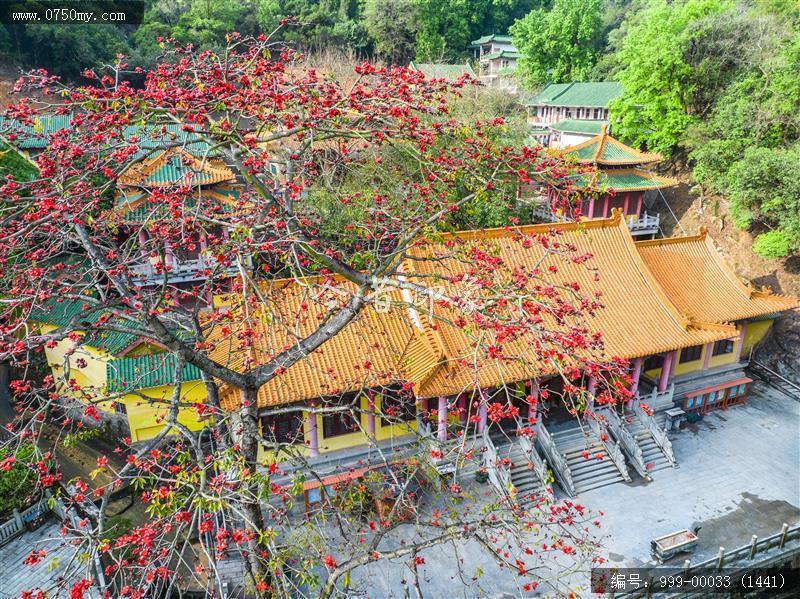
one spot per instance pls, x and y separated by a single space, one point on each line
561 44
661 71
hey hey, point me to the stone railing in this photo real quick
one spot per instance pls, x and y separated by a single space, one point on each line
612 447
16 525
498 476
539 465
556 460
659 434
645 222
627 442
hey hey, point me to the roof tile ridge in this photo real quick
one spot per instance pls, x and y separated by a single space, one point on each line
602 144
715 255
672 240
564 91
683 321
494 232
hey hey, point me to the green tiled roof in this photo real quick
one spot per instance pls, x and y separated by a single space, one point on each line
632 179
61 313
149 138
500 54
173 171
593 94
501 39
579 126
143 372
451 72
149 211
627 179
34 136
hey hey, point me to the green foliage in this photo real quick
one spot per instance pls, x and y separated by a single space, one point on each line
775 244
17 483
393 29
561 44
660 74
748 147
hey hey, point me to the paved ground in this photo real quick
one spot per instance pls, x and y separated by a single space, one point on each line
739 475
47 575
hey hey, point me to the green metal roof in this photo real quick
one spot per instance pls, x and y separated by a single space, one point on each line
579 126
500 54
502 39
622 181
149 211
626 180
143 372
65 311
451 72
597 94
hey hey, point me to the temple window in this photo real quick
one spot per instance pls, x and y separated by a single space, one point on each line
690 354
397 406
339 423
725 346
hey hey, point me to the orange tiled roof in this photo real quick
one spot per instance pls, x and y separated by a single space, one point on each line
372 350
174 167
697 280
440 359
638 319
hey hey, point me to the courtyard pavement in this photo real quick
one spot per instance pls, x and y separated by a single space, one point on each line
738 475
49 574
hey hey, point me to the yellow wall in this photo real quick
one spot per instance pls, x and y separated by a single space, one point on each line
91 377
359 438
755 332
146 419
143 417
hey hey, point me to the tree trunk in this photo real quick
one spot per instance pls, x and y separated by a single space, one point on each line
244 429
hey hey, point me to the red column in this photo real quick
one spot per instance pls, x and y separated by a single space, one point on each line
463 408
707 357
591 208
741 340
442 414
534 399
313 440
666 369
627 201
371 414
636 373
483 414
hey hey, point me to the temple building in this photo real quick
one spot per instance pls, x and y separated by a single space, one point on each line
671 307
497 58
624 180
565 114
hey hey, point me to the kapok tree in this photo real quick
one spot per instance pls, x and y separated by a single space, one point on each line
343 184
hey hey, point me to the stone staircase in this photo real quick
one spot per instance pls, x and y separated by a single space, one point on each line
591 473
654 458
523 474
